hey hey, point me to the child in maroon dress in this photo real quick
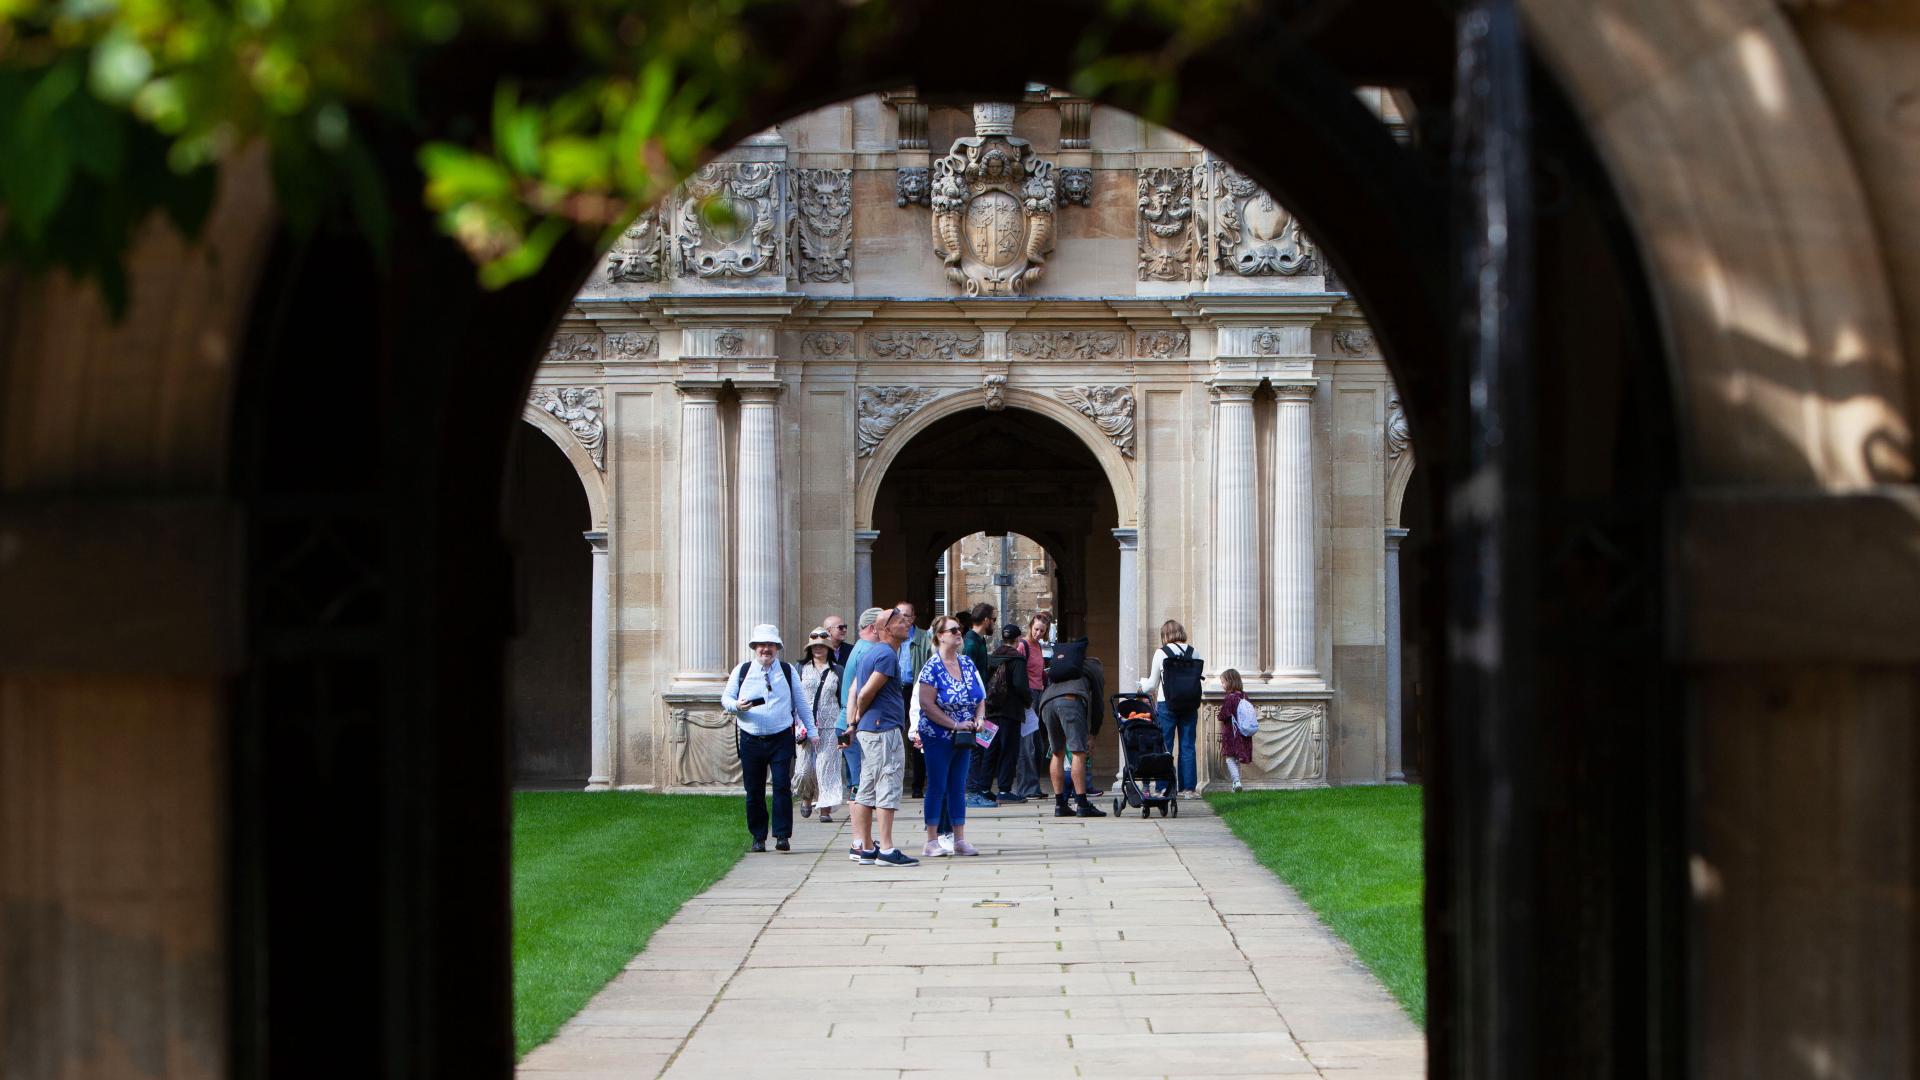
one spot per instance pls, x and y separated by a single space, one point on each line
1237 722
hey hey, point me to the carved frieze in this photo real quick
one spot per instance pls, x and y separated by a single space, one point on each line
880 410
827 343
923 344
1162 344
823 223
1398 437
911 184
1169 227
1110 407
1066 344
996 388
704 750
636 255
1291 745
578 407
1076 186
729 220
632 346
1355 342
572 349
1253 235
993 201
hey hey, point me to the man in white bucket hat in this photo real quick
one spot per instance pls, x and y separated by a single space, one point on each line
764 697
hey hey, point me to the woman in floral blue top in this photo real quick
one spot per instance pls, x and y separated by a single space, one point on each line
952 699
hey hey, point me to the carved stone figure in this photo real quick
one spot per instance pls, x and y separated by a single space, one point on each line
636 256
1076 186
1064 344
1162 344
1253 235
826 343
1267 342
911 184
923 344
579 408
996 388
633 346
1397 435
993 200
880 410
823 223
1110 407
572 349
705 754
729 220
1354 342
729 342
1169 234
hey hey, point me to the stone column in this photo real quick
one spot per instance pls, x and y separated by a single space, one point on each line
1295 655
1396 773
599 656
1236 534
862 573
760 498
703 568
1127 664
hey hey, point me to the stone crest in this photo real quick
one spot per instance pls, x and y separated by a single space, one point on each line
578 407
993 200
924 344
636 255
1162 344
1064 344
1110 407
1169 233
880 410
1253 234
729 220
823 223
911 184
572 349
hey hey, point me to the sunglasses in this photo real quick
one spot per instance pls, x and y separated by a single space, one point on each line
816 637
954 630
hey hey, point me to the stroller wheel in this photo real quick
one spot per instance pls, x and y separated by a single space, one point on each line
1176 808
1163 809
1146 811
1119 804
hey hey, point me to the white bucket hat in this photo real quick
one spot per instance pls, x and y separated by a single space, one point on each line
765 634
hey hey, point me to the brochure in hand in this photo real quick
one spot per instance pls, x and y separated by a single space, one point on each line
984 738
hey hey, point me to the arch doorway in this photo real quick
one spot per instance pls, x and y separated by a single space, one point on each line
544 511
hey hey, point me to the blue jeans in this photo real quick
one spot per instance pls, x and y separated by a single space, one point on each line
1186 724
850 754
946 782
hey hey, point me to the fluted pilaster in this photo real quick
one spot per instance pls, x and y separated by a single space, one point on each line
599 658
1236 534
703 569
1396 770
1295 651
758 484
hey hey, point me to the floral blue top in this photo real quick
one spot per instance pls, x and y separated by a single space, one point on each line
957 697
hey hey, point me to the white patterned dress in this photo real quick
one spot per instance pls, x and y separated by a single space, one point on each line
819 759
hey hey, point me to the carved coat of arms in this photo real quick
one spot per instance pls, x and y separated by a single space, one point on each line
993 202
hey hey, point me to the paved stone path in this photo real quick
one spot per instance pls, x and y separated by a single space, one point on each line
1133 949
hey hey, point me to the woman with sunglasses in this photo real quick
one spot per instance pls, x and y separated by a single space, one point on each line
820 691
953 702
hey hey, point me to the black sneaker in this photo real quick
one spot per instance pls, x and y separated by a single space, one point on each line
1008 796
1087 809
864 858
896 857
759 845
1060 807
783 844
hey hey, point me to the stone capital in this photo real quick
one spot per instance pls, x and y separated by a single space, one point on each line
1128 539
1394 536
698 392
596 539
863 539
759 393
1295 391
1233 391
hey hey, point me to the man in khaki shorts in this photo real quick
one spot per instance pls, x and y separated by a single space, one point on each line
877 711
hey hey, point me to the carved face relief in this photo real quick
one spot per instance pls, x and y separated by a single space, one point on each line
911 184
1076 186
823 229
636 256
1168 238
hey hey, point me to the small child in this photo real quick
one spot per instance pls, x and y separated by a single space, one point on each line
1238 722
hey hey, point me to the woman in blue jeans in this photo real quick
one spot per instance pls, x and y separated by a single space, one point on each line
1181 725
952 699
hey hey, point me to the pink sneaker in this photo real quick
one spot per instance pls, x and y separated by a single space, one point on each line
932 850
962 847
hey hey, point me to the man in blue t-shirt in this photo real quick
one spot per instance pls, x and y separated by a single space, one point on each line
868 641
877 711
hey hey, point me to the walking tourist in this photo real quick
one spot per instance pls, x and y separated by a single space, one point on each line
1066 711
914 651
953 712
878 712
1175 683
1033 742
850 746
1238 722
1008 696
974 646
836 628
820 681
764 697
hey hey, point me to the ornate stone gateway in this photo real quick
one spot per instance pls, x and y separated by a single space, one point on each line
993 202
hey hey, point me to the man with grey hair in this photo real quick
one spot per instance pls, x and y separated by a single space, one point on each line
877 710
850 746
764 697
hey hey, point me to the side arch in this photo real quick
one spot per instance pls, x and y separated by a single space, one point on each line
1118 470
1397 479
591 478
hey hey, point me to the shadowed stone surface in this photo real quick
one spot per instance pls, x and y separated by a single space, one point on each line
1135 948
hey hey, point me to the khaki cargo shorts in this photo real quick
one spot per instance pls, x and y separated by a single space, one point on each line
883 769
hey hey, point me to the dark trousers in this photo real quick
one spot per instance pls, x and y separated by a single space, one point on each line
764 758
993 771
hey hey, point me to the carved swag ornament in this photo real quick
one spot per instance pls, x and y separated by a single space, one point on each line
880 410
1254 235
823 225
729 220
923 344
993 201
1065 344
578 407
1110 407
1170 242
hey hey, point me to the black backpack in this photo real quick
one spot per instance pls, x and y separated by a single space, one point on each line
1069 661
1180 677
793 687
1007 686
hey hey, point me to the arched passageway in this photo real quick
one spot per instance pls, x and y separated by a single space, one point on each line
548 697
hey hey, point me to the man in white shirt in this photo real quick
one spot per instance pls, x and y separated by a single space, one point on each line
764 697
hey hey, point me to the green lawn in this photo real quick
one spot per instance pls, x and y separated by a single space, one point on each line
594 875
1353 854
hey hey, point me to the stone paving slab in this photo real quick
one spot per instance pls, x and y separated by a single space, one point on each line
1133 949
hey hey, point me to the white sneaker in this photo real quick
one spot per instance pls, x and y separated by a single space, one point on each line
946 843
1236 785
1189 794
933 850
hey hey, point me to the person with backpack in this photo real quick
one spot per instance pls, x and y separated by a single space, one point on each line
1069 707
1008 696
769 714
1176 685
1238 724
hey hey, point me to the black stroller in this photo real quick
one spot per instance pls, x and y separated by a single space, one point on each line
1147 759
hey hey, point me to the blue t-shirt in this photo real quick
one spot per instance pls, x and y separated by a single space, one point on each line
860 648
888 711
